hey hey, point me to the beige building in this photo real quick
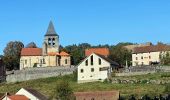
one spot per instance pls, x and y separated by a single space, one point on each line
48 55
149 54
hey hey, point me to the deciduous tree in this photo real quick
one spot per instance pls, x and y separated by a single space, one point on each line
12 54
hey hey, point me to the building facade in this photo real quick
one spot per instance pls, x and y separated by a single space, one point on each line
95 67
48 55
148 55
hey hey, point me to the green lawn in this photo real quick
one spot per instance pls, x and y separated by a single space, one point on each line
47 86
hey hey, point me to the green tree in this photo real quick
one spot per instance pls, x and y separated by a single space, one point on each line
12 54
120 54
64 91
165 59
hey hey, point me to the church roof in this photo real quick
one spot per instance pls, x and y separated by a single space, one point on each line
51 31
31 52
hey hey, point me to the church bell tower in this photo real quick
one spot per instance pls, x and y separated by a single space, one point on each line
51 40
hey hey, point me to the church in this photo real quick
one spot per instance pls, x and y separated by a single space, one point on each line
47 56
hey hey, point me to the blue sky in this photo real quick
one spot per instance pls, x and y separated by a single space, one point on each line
79 21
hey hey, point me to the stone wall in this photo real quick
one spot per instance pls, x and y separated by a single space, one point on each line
132 71
36 73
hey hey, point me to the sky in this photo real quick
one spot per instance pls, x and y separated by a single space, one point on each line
85 21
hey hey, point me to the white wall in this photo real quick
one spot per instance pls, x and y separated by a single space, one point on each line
87 75
154 57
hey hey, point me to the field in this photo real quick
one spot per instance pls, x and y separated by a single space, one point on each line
47 85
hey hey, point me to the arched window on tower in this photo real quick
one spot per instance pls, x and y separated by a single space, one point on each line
49 41
53 41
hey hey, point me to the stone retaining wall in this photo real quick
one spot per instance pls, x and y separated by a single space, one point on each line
36 73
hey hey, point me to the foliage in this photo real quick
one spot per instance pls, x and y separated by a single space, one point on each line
132 97
12 54
167 88
77 52
117 53
31 45
165 59
75 75
165 75
120 54
63 91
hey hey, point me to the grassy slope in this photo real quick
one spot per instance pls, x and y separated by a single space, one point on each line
47 86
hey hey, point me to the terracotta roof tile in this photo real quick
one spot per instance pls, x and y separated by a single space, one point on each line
101 51
31 52
18 97
53 53
62 53
153 48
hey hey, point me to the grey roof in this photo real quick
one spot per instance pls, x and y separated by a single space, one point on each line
108 60
36 94
51 31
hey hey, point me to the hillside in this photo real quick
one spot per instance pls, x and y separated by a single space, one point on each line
47 86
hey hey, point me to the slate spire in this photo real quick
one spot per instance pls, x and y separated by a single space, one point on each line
51 31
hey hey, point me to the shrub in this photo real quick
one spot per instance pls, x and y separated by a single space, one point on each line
165 75
167 88
144 81
63 91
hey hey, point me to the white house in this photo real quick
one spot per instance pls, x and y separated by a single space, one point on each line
31 94
95 67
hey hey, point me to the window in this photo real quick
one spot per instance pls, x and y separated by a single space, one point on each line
49 41
142 57
91 60
81 70
86 63
142 63
43 61
25 61
65 61
149 57
136 58
92 69
100 61
92 99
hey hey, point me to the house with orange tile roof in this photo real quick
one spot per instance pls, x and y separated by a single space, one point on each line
101 51
7 96
47 56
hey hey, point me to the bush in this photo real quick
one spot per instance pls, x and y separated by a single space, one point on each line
63 91
165 75
167 88
132 97
144 81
